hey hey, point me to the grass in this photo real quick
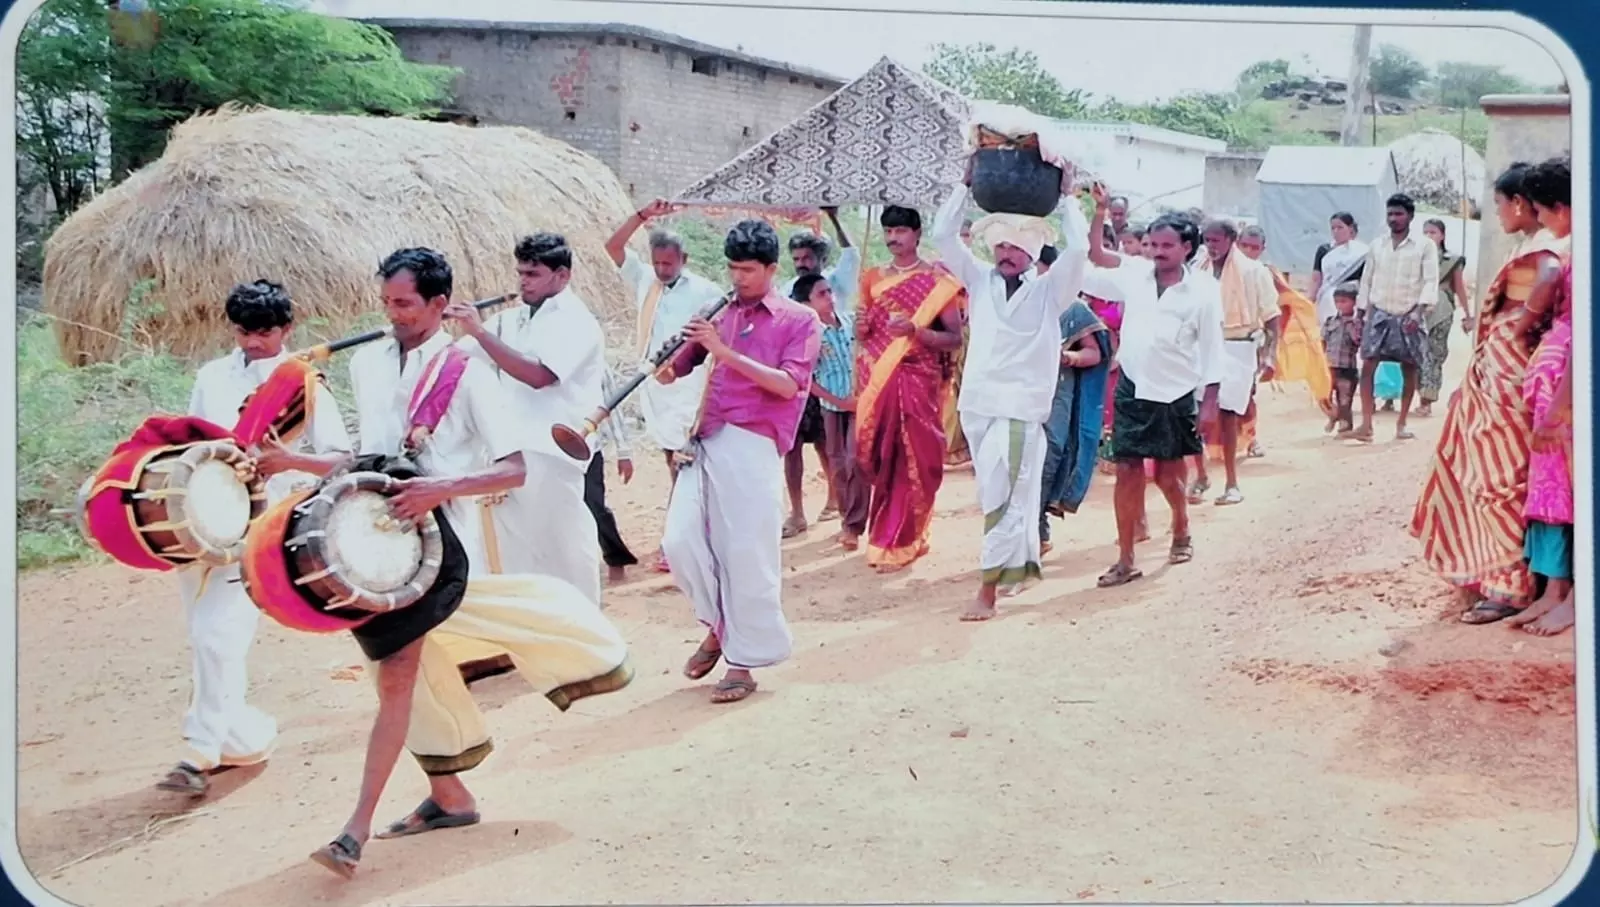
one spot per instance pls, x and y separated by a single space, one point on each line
1280 123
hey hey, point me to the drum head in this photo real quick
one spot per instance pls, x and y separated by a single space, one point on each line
377 552
218 504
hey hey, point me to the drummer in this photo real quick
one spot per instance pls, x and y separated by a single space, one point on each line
220 729
554 633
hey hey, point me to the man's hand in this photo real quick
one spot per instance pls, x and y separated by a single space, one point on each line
419 497
625 470
1069 177
1266 371
900 326
658 209
703 332
1468 324
1100 195
666 374
467 315
273 458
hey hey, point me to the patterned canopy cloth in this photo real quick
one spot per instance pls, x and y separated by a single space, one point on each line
891 137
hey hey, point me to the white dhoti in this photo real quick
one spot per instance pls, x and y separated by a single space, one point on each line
220 728
723 535
1008 459
545 528
1239 369
670 410
556 637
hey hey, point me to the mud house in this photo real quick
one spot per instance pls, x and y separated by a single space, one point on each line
658 109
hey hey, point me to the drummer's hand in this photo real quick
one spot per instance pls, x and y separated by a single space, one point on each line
272 458
419 497
625 469
465 314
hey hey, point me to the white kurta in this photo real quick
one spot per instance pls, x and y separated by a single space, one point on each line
221 728
669 410
723 537
544 526
474 433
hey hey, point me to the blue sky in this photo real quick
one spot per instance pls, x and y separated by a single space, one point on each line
1127 59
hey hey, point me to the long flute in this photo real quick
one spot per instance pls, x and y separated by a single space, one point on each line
323 351
574 442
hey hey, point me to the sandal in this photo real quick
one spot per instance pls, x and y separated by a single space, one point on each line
1197 491
429 816
1182 551
794 527
732 690
1488 612
341 856
1119 575
701 662
185 779
1230 496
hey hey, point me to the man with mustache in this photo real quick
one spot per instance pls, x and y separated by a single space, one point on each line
908 329
1009 380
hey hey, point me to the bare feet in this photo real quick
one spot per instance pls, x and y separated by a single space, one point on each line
849 541
1141 531
1401 433
1363 434
615 575
1542 618
1558 621
982 608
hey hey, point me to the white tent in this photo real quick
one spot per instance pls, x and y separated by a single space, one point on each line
891 137
1302 187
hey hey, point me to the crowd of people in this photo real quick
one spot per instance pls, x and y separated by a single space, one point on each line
1089 344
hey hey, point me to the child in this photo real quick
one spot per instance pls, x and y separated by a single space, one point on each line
1341 339
832 385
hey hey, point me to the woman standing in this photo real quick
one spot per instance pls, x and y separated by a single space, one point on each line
1338 263
1469 516
1452 289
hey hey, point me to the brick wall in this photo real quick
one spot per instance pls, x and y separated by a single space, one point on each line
647 110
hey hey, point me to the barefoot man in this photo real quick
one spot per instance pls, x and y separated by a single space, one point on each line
463 447
1009 380
1399 287
667 295
1171 345
909 329
724 526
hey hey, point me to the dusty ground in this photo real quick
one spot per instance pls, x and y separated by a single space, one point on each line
1231 729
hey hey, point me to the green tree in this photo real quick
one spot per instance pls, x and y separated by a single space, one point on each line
63 60
1253 78
1462 84
1208 114
1396 72
984 72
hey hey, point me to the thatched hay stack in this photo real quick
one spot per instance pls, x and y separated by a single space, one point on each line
316 202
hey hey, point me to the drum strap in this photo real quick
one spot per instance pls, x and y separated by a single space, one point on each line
431 398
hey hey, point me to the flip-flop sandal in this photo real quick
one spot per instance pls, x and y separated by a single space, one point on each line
340 856
1488 612
1182 551
432 817
1230 497
791 529
701 663
1197 492
830 513
185 779
1404 434
1118 575
729 691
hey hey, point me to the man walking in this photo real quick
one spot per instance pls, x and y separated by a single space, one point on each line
1399 287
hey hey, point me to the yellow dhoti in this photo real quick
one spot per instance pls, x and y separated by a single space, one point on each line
557 638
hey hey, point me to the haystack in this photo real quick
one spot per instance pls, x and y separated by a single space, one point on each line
316 202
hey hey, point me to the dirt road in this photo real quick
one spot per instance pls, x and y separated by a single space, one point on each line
1231 729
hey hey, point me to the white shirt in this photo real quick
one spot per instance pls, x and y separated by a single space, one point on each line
474 433
1014 351
220 389
1171 341
678 303
566 338
612 429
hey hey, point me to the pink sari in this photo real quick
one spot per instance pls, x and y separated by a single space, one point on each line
1550 471
900 439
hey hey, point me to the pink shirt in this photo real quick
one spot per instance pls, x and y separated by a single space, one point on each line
774 332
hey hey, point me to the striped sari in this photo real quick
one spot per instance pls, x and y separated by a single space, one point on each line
1469 516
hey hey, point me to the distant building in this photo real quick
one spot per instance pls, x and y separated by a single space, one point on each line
1155 168
658 109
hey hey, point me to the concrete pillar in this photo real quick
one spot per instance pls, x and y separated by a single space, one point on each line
1522 127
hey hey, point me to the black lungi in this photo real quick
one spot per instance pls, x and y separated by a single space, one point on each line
1146 430
612 548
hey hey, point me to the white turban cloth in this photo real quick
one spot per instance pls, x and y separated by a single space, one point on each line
1030 234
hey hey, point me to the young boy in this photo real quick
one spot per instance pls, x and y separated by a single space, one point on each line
222 730
833 385
1341 339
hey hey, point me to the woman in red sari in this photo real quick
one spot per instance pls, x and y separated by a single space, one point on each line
908 327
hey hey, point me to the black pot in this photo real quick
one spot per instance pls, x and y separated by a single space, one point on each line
1015 181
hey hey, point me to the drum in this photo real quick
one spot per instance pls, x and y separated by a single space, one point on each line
186 504
282 406
330 558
